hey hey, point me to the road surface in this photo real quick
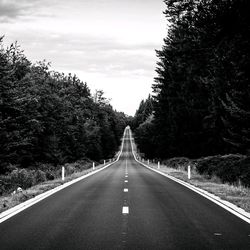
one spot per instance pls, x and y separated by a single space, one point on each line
115 210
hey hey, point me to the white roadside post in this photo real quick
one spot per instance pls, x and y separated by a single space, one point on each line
63 173
189 172
104 162
158 165
148 162
93 166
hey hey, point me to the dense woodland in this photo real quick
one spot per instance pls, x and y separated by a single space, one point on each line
201 102
49 117
200 106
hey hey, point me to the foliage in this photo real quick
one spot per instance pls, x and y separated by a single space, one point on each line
142 124
202 92
144 136
229 168
178 163
144 111
22 178
50 117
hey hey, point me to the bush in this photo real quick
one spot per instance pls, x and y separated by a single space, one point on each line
49 176
78 166
40 176
5 184
23 178
229 168
178 163
84 164
70 169
208 166
50 171
244 166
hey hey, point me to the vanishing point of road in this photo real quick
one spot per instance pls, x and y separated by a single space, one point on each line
125 206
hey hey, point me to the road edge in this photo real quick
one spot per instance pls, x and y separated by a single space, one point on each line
30 202
239 212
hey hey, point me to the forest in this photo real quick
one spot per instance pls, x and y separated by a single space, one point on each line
201 96
200 105
47 117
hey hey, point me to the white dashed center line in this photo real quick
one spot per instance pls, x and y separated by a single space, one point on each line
217 234
126 181
125 210
125 190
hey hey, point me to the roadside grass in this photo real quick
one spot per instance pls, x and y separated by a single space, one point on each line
8 201
236 194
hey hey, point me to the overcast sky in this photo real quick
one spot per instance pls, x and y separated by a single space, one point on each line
110 44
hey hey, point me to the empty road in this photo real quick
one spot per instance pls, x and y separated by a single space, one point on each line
125 206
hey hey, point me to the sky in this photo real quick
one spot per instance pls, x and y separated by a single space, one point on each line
110 44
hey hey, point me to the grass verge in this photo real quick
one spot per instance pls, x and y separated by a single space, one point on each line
8 201
238 195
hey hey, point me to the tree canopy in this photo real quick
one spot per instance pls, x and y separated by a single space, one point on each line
47 116
202 88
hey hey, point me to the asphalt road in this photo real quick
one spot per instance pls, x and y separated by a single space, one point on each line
111 211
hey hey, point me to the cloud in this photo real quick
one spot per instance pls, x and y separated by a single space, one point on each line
10 10
109 43
91 54
102 55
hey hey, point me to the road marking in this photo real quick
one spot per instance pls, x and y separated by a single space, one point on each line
126 181
22 206
233 209
126 176
125 210
125 190
217 234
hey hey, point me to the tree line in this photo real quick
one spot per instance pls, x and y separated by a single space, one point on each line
201 102
50 117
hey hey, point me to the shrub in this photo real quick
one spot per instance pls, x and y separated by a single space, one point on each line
208 165
177 163
244 166
229 168
23 178
5 184
70 169
50 176
40 176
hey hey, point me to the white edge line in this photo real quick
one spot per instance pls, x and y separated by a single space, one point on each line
22 206
239 212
